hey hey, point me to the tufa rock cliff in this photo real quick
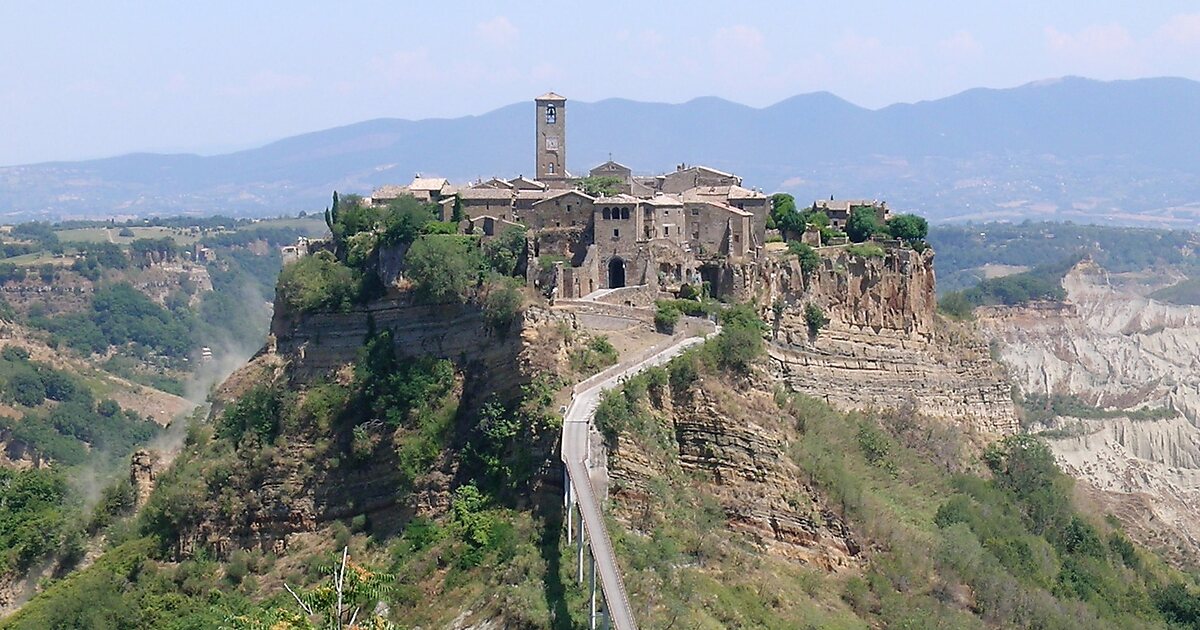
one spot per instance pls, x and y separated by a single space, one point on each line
884 345
729 442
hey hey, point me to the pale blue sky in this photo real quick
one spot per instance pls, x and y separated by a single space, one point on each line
88 79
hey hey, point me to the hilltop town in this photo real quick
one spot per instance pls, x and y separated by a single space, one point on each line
611 228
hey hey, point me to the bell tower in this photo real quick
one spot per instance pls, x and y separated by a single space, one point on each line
550 149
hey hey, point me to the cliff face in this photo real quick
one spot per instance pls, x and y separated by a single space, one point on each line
883 345
263 496
317 343
1114 348
732 444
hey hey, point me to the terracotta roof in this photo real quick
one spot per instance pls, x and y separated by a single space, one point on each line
551 96
390 191
427 183
479 194
563 193
618 198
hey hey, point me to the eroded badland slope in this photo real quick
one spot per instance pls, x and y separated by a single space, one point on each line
1130 365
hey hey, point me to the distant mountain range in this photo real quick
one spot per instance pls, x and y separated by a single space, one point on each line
1091 151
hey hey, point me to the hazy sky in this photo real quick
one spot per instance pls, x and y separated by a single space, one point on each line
87 79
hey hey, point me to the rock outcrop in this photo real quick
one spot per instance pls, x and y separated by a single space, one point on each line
883 345
733 445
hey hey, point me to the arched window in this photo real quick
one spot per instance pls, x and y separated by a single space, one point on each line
550 168
607 214
551 114
624 213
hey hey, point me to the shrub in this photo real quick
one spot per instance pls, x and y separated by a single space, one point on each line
258 411
318 282
666 315
815 318
740 341
865 250
809 259
501 302
955 305
505 252
443 267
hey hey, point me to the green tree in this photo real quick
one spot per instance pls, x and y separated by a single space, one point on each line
504 253
318 282
456 214
862 224
404 219
604 186
815 318
443 267
785 216
809 259
909 228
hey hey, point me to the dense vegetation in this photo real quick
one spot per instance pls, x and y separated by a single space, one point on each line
443 266
72 427
860 226
963 249
1040 283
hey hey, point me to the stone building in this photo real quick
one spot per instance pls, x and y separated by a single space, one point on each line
839 211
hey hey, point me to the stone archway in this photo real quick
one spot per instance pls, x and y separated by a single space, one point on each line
616 273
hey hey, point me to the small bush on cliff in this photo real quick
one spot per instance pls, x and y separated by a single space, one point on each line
815 318
666 315
501 301
318 282
258 411
740 342
809 259
865 250
596 355
956 306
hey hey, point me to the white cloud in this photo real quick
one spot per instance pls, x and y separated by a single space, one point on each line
498 31
1098 40
961 44
740 46
1182 30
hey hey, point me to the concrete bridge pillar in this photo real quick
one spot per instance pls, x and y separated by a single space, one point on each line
579 552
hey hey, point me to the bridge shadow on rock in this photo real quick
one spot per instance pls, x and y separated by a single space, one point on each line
550 514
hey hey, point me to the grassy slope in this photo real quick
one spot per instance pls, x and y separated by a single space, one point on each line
945 547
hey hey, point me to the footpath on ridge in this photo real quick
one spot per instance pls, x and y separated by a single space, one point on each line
576 455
